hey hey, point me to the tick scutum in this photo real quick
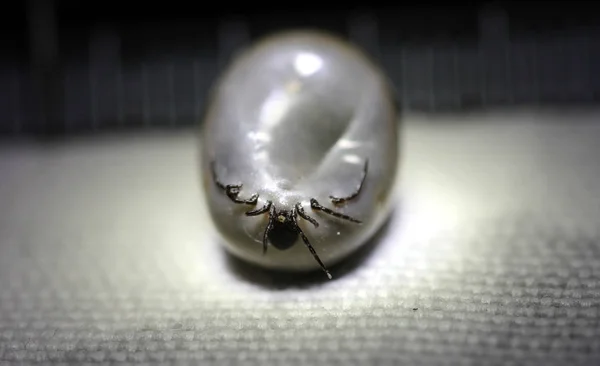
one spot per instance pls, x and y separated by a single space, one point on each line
284 233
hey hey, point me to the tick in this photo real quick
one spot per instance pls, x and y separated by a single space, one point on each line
282 228
299 146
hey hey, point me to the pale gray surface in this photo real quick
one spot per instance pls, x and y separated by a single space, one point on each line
493 257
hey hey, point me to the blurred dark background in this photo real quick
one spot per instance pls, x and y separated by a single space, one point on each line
70 66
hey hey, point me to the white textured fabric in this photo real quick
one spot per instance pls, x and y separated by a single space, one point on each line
492 256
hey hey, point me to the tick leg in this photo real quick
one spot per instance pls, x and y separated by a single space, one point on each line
315 205
261 210
307 242
232 190
269 225
339 200
303 214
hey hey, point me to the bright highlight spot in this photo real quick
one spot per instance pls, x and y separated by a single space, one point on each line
307 64
274 108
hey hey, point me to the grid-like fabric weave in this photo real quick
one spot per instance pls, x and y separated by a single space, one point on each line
492 257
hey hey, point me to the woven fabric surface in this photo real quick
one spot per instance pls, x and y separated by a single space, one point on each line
492 256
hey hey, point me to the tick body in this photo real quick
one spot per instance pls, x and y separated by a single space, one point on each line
299 152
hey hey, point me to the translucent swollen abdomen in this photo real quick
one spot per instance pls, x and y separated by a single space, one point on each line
300 138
